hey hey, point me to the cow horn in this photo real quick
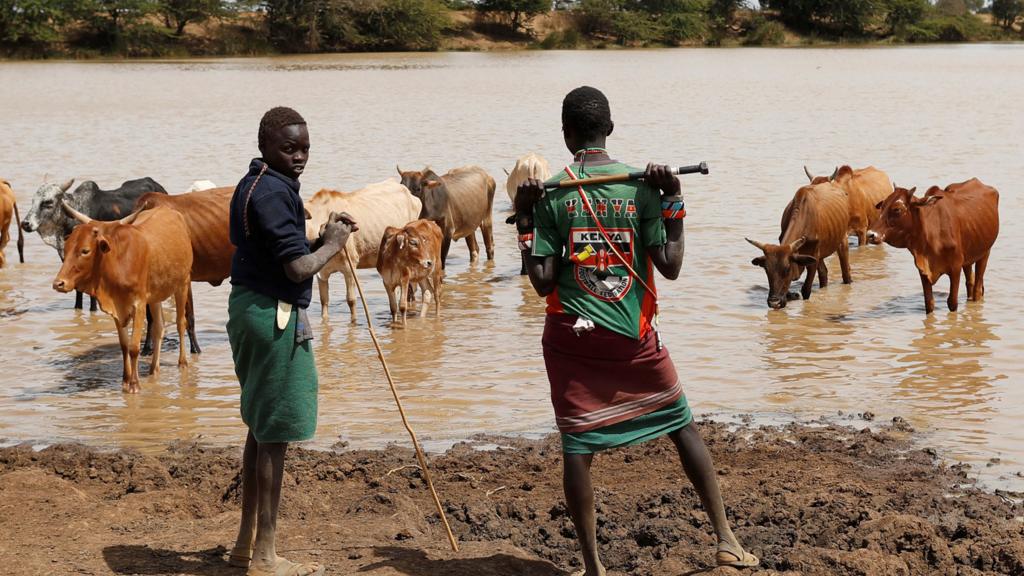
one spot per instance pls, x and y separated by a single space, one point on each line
130 219
506 171
834 174
808 172
397 168
796 244
75 213
756 244
67 185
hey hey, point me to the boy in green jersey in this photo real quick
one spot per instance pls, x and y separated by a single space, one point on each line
592 252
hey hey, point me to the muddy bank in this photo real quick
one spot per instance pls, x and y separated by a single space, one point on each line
808 500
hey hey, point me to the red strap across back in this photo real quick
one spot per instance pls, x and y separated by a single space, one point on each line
611 245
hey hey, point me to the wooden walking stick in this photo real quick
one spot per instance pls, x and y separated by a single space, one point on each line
398 401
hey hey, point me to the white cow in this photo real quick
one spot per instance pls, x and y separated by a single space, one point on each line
374 208
200 185
529 166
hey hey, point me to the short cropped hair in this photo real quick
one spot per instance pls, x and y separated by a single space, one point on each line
275 118
586 111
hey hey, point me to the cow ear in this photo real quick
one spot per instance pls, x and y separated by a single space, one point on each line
932 200
804 259
306 211
431 184
879 205
759 261
103 244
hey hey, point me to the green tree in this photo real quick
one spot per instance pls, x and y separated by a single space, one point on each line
952 7
598 16
400 24
725 10
518 12
30 21
903 13
110 20
844 17
180 13
1006 12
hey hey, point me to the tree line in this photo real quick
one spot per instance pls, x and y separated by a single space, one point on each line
36 28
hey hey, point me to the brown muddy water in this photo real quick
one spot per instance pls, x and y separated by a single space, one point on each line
925 115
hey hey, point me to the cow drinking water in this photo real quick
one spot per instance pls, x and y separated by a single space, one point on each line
813 228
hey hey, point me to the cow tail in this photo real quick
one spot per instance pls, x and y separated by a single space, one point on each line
21 234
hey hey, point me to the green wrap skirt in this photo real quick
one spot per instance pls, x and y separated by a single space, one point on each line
630 432
277 376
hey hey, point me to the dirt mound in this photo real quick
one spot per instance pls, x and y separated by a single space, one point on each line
807 500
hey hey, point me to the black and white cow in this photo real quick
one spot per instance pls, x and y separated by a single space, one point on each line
54 225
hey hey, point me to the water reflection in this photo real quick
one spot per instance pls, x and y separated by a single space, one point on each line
946 362
869 262
806 352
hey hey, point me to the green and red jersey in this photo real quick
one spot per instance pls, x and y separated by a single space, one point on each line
592 282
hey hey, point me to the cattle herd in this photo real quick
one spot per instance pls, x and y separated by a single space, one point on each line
947 231
136 246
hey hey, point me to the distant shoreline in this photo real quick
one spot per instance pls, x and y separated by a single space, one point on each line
257 34
284 55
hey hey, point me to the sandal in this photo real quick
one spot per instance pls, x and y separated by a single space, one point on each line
288 568
734 560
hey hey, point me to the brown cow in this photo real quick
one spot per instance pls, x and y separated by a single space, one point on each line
207 216
8 214
813 228
947 231
460 202
129 265
409 257
866 187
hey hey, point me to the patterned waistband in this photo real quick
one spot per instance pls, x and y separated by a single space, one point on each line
605 414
